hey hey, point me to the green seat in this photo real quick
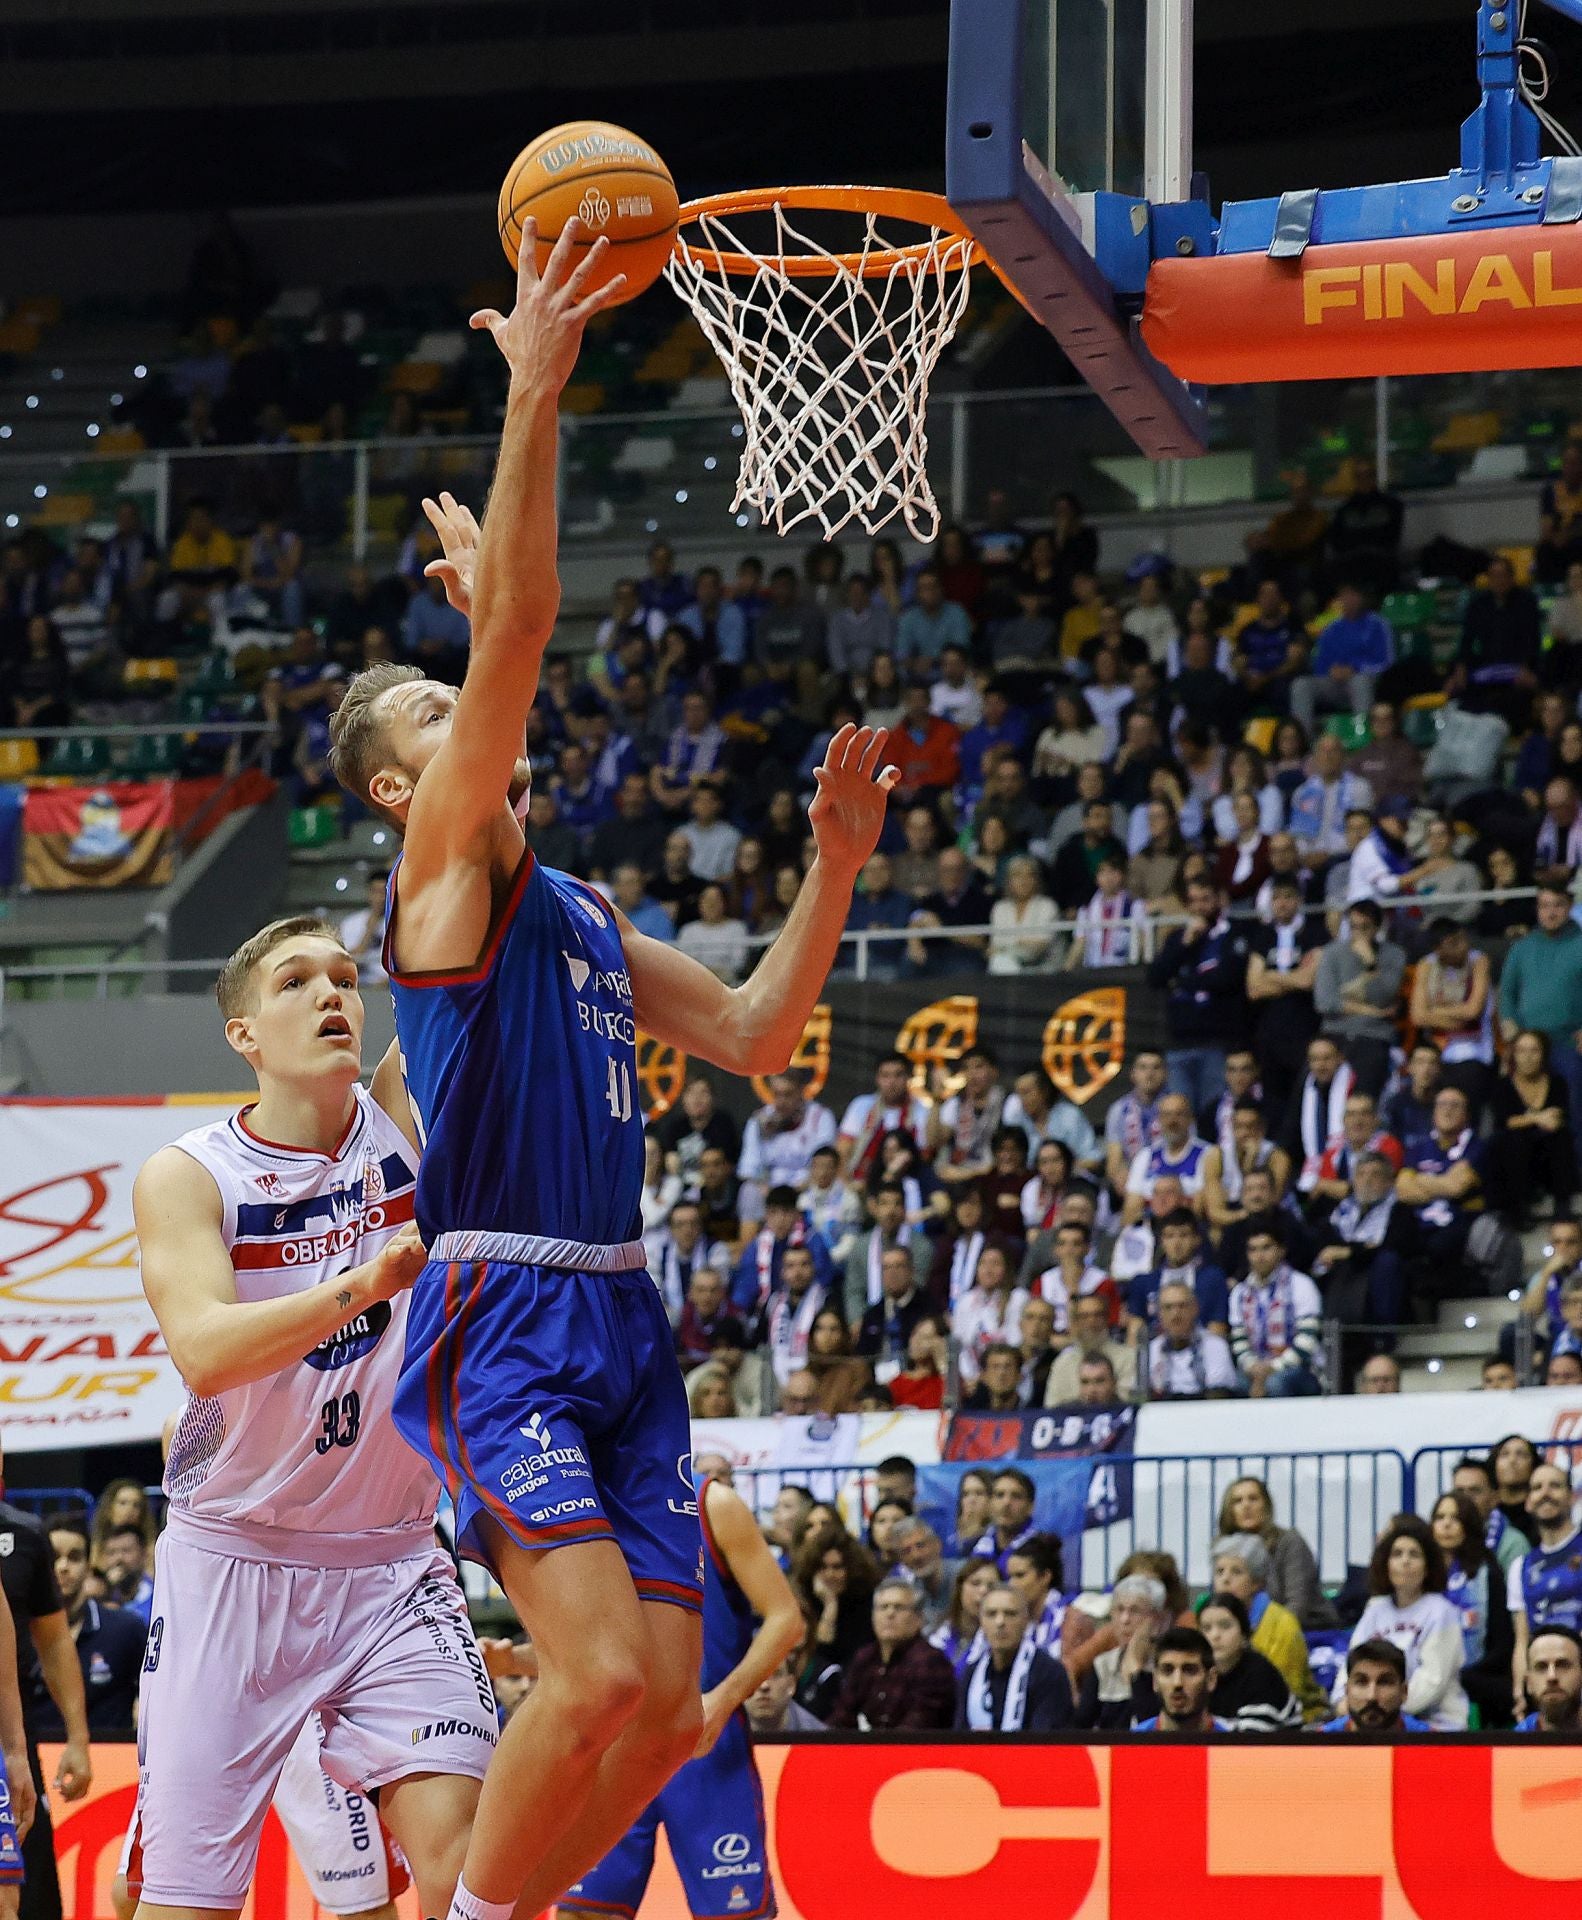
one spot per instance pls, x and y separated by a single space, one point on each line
77 759
1350 729
1421 725
157 754
312 827
1407 612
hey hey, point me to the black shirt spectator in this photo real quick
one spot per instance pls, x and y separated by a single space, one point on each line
636 832
1365 532
897 1681
1501 640
1073 876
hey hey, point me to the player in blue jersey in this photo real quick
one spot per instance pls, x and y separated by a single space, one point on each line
540 1375
1544 1587
713 1810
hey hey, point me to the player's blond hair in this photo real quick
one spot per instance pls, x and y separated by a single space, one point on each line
359 738
237 987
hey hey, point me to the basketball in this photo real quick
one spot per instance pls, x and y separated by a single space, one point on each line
612 181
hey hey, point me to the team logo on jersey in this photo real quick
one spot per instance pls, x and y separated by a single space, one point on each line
7 1545
373 1180
579 970
358 1337
588 910
688 1506
270 1183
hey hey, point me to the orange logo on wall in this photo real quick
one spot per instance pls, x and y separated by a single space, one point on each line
1085 1043
811 1057
661 1073
936 1039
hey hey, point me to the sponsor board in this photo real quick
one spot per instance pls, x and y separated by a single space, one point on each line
1308 1828
81 1359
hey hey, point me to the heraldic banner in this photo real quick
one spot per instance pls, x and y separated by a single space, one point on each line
1082 1026
81 1359
115 835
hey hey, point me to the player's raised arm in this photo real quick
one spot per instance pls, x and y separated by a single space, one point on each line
754 1028
515 588
216 1340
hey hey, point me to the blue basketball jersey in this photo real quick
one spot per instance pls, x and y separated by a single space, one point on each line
728 1619
1551 1584
522 1071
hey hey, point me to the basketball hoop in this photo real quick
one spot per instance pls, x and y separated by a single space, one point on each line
829 350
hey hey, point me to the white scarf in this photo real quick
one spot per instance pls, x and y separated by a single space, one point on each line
980 1707
672 1283
963 1265
876 1252
1314 1141
789 1330
764 1255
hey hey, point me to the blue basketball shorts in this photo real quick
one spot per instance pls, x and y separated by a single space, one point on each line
549 1399
713 1816
10 1846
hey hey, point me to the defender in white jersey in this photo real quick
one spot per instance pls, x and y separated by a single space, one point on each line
298 1575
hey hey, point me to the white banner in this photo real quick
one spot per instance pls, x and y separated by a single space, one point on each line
81 1359
807 1450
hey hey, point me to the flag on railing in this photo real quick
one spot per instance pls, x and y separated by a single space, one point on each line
115 835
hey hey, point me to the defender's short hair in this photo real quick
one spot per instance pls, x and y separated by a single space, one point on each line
357 734
235 987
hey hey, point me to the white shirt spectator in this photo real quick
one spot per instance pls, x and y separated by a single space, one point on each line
1428 1632
778 1156
982 1320
1204 1365
721 947
1023 936
1051 1286
1107 704
865 1123
1271 814
362 935
1156 627
962 706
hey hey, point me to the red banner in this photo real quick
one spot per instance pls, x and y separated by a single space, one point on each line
1310 1829
115 835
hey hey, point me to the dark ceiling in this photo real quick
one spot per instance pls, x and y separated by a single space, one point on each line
196 103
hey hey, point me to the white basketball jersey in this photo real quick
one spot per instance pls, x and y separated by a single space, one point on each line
313 1447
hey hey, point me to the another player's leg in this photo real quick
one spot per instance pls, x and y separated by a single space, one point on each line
615 1712
431 1816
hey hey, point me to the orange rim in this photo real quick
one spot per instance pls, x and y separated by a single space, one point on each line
897 203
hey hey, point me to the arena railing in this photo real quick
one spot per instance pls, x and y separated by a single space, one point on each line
627 476
863 956
1338 1498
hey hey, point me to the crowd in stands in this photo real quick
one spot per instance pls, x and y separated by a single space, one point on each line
1467 1619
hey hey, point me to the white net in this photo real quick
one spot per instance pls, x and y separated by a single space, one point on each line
830 368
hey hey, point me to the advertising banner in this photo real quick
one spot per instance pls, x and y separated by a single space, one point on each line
816 1452
81 1360
1309 1829
116 835
1061 1450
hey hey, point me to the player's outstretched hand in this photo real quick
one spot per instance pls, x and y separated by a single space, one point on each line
459 535
541 335
853 788
397 1263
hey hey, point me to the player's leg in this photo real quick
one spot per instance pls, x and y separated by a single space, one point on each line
615 1711
431 1815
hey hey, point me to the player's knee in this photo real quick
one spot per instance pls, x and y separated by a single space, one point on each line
609 1691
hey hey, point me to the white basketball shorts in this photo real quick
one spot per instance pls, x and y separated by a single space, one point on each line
345 1852
241 1652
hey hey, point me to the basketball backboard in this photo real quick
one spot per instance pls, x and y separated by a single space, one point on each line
1069 140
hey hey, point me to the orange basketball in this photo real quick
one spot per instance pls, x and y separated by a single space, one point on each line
613 182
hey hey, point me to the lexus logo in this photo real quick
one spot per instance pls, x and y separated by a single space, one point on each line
732 1848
